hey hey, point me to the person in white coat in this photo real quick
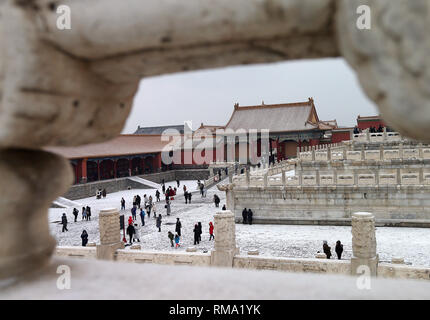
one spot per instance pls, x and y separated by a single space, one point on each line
136 236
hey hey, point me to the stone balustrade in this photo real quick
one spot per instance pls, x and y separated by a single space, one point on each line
335 177
382 154
377 136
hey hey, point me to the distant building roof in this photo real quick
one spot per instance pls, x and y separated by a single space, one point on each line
122 145
299 116
159 129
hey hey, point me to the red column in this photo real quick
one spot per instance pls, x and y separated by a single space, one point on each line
114 168
130 170
84 170
143 165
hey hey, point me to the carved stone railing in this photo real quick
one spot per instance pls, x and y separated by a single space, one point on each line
334 177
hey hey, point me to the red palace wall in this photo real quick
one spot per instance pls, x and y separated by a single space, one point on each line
370 123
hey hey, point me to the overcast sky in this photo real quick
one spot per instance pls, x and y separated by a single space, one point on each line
209 96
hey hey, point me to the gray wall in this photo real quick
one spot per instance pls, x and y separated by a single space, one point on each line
79 191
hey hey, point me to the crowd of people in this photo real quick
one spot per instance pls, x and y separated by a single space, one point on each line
144 209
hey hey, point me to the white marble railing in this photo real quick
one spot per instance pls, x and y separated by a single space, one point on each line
418 153
334 177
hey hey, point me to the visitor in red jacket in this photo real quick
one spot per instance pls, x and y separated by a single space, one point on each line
211 231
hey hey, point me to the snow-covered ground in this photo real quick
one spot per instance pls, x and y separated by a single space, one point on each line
413 244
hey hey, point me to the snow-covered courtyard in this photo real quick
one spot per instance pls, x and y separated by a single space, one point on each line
271 240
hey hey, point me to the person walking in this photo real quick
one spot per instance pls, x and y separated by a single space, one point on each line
250 214
196 234
84 213
177 240
177 182
104 193
75 213
88 213
171 237
326 249
244 215
64 222
142 216
211 231
186 197
157 195
136 235
158 223
138 201
130 220
84 237
130 232
189 197
216 201
133 212
339 249
223 208
154 210
178 226
168 207
199 224
122 204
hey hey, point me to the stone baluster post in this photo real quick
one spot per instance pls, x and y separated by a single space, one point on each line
381 152
385 134
399 176
355 173
31 180
328 153
421 176
247 177
317 175
401 150
313 153
110 234
363 244
225 240
265 178
284 179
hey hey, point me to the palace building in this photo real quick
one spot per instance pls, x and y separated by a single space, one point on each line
290 125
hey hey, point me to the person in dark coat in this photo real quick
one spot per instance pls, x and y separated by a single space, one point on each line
244 215
186 197
249 216
178 227
223 208
157 195
138 201
216 200
327 249
84 237
196 234
122 204
75 213
131 231
88 213
171 237
177 181
158 223
189 197
163 188
104 193
200 231
339 249
64 222
133 212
